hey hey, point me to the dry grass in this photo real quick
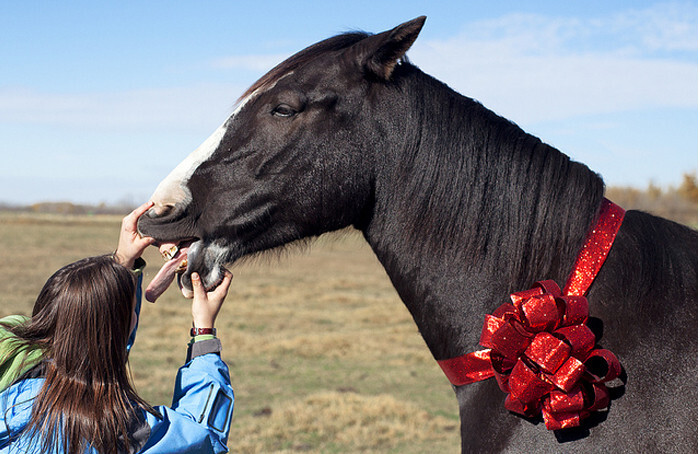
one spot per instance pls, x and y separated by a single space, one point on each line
323 355
344 422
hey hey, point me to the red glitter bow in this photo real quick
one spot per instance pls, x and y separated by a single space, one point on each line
542 355
539 347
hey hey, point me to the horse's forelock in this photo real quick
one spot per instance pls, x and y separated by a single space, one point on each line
335 43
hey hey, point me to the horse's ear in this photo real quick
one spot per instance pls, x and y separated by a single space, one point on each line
378 54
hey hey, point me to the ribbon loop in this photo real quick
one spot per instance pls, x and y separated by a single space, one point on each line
540 313
602 366
579 337
561 402
509 341
576 310
502 368
568 374
525 384
548 352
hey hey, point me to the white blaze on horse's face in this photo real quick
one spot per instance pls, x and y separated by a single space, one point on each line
173 189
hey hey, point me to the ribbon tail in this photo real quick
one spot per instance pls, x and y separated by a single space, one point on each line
469 368
595 250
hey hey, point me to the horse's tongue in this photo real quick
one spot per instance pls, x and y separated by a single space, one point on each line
164 277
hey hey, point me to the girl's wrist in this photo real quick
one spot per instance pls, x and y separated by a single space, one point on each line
122 260
203 322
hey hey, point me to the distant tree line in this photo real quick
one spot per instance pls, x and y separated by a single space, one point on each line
678 203
68 208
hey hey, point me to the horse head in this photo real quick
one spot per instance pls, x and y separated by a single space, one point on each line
294 160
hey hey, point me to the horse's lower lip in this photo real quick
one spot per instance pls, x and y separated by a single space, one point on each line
211 273
189 293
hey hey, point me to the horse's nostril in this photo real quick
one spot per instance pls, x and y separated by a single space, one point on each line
158 211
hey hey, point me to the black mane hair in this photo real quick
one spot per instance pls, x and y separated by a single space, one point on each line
480 180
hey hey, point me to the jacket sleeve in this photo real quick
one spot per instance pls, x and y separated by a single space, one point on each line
139 265
15 411
199 419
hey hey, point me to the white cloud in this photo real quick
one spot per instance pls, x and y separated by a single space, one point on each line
537 88
662 27
190 108
533 68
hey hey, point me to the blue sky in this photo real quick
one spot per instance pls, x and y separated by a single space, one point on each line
100 100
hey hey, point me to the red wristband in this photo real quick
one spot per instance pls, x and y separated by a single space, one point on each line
200 331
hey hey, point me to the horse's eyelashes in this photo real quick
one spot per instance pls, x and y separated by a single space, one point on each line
284 110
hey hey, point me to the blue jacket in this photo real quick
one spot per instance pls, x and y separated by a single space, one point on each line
198 421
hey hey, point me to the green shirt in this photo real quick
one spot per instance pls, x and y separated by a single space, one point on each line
15 358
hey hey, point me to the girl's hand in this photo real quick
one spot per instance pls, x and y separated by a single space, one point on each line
131 244
206 305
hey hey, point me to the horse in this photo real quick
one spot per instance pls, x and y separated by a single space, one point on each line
462 208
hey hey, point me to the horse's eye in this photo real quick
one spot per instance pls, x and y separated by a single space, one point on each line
283 110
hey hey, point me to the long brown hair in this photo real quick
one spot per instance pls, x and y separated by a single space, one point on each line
81 321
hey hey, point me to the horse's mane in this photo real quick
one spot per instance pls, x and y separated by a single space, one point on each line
513 203
332 44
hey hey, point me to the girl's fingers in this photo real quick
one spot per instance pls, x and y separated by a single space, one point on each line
226 282
197 287
138 212
223 286
147 241
132 218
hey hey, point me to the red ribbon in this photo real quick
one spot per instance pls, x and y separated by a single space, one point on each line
539 347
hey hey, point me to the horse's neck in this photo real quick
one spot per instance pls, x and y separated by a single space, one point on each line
460 226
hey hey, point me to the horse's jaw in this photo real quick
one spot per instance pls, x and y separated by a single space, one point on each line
207 260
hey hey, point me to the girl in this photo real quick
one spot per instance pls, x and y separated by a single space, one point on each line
64 385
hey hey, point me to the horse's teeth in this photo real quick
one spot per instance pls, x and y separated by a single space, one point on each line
182 267
169 253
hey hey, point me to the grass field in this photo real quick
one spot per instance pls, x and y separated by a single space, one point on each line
323 355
